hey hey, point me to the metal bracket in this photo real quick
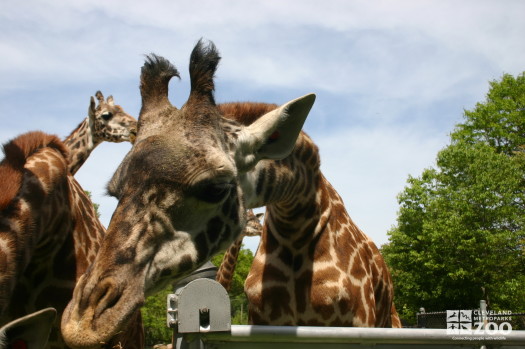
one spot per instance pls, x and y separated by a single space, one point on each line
202 305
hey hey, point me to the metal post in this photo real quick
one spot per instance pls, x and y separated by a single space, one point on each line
199 305
421 315
483 310
242 306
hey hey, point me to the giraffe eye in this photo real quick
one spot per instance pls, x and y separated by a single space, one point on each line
214 193
107 115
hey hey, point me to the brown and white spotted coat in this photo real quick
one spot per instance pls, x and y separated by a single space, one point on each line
180 191
105 122
44 216
49 232
314 266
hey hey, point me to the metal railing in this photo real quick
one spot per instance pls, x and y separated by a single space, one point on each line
200 316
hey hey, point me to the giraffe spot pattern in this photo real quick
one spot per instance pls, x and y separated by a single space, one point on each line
311 250
51 208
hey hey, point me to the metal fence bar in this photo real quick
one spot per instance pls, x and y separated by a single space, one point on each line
193 330
310 334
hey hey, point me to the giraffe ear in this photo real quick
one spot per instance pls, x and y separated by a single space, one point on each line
273 135
30 331
92 108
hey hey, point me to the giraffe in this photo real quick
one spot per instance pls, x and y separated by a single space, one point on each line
229 261
105 122
49 232
313 266
181 194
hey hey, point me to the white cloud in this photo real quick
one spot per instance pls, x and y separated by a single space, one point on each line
369 168
371 44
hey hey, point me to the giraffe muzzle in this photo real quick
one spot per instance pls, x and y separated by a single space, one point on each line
92 319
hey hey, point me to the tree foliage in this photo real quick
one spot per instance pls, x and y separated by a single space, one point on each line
156 331
500 120
238 299
95 206
460 232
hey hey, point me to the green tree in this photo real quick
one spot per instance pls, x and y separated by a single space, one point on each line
500 120
238 299
95 206
460 232
154 315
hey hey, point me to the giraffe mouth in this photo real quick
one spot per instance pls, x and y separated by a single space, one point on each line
132 136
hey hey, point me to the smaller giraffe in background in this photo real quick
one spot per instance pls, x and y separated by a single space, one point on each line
105 122
229 261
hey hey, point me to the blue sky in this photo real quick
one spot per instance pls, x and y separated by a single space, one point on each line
392 78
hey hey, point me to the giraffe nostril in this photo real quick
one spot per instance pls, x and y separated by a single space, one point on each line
105 296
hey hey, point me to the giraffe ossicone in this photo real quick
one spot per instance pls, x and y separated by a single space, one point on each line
180 194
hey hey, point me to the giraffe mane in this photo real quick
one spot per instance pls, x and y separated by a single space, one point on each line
245 112
16 152
76 129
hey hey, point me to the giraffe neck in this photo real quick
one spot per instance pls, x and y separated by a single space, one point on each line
81 143
289 188
228 264
229 261
88 232
292 190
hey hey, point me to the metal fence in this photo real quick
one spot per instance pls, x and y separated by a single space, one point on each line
436 319
200 316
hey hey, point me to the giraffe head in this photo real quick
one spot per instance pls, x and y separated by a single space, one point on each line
180 194
109 122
